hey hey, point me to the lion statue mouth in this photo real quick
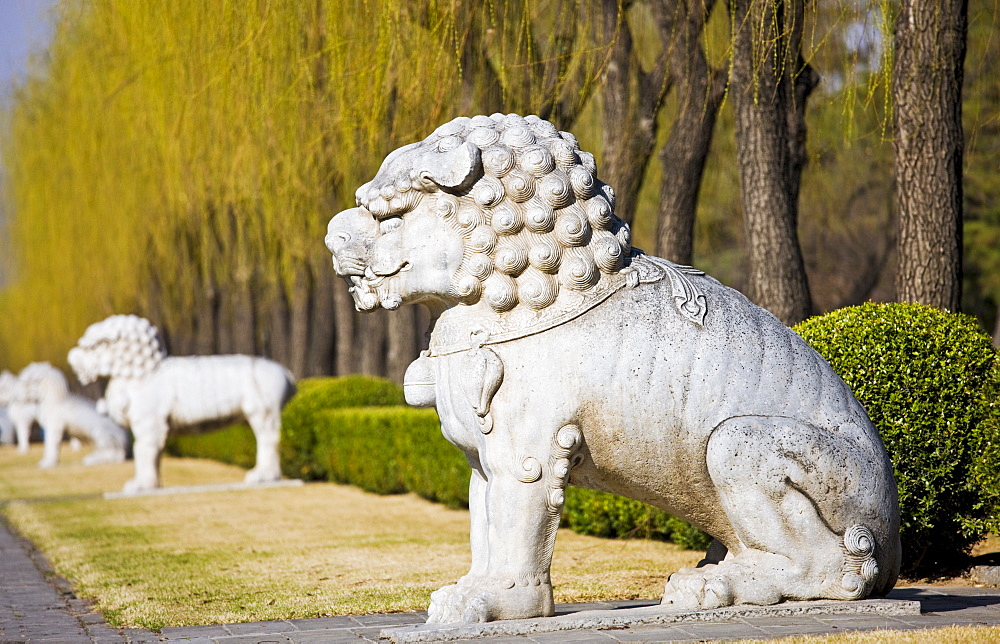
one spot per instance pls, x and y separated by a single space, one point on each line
370 289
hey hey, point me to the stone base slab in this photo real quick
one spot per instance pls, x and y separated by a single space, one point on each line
988 575
623 618
194 489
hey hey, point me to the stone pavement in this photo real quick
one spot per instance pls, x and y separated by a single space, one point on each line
38 606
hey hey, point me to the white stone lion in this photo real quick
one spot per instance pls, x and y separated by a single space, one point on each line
22 413
155 395
558 354
61 413
7 383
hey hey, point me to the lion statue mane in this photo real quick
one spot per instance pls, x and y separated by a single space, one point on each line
155 394
559 354
62 413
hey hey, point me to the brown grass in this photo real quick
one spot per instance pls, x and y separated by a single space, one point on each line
946 635
284 553
280 553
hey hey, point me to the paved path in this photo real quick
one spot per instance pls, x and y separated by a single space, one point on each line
37 606
941 606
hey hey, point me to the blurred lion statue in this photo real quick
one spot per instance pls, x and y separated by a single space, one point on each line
558 354
61 413
156 395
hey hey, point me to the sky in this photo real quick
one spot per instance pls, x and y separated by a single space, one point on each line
24 29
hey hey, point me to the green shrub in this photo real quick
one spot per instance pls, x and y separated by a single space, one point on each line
389 450
299 420
605 515
929 381
234 445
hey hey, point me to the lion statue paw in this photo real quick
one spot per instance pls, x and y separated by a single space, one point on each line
718 585
473 602
256 476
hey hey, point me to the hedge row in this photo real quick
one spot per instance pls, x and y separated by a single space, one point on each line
355 430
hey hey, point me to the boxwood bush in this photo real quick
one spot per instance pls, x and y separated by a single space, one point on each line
300 424
929 381
605 515
236 444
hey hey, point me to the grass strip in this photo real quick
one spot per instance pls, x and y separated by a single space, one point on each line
279 553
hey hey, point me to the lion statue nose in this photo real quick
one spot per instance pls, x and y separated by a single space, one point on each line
348 237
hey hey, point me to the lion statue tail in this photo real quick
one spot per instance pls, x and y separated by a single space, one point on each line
870 567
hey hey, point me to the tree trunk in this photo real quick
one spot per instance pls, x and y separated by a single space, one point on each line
930 45
632 99
344 349
763 94
319 360
276 338
237 318
205 322
371 342
401 345
298 323
683 156
996 329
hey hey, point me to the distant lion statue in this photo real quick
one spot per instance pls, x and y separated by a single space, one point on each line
156 395
559 354
61 413
8 433
22 413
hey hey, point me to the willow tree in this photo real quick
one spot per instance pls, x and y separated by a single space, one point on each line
180 161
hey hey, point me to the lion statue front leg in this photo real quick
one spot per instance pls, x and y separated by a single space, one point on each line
515 506
150 438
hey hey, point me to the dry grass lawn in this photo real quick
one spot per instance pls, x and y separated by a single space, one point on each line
284 553
947 635
278 553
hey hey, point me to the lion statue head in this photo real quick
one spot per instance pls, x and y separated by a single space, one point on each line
8 388
500 211
41 381
121 346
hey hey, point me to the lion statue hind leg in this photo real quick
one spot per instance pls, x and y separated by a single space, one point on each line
784 487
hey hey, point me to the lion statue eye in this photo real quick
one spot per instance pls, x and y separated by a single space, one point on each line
390 225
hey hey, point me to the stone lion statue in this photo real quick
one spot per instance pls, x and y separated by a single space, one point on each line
62 413
7 383
155 395
21 412
558 354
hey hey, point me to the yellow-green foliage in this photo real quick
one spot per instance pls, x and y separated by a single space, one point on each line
184 144
167 152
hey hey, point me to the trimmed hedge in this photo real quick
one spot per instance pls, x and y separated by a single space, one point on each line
391 450
605 515
929 381
300 424
234 445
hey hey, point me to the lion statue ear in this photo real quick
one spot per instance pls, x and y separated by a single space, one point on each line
454 169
